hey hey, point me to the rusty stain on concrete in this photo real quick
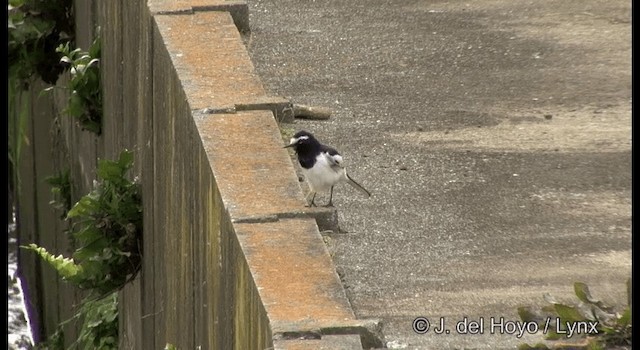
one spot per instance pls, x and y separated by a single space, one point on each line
216 72
295 276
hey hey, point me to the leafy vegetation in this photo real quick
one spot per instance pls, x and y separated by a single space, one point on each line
35 29
99 326
595 324
85 100
61 191
106 226
100 323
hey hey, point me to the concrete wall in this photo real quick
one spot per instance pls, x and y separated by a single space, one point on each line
231 257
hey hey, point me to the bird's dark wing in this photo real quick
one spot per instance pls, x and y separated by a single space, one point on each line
333 157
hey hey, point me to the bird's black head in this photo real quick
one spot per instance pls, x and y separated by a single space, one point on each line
303 141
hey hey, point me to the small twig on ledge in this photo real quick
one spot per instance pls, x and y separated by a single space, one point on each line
310 112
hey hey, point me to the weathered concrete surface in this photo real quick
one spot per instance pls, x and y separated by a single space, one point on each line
237 144
494 136
218 74
297 283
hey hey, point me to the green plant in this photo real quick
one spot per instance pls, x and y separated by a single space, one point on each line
99 328
35 29
106 228
100 323
85 101
597 325
54 342
61 191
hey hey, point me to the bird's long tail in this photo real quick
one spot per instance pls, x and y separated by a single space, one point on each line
357 186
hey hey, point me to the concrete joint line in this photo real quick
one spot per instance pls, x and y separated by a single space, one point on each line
326 218
369 330
280 107
297 335
255 219
224 110
283 110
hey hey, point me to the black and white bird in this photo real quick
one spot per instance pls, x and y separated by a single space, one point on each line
322 166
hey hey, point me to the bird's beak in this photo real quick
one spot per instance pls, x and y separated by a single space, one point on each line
289 145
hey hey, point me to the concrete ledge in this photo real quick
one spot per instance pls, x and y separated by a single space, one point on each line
297 282
298 285
253 171
238 9
280 249
217 72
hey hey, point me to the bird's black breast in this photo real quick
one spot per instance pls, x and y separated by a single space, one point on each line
306 160
308 152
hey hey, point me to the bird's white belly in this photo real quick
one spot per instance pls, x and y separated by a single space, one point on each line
322 176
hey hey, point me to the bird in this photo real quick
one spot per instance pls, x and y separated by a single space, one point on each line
322 166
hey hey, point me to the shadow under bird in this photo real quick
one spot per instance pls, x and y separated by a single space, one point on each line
322 166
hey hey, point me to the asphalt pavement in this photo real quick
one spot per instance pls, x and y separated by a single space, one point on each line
495 137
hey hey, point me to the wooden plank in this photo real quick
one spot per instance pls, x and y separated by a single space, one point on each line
61 163
198 208
161 110
112 76
29 265
42 114
145 169
124 121
212 212
129 315
185 153
126 117
83 15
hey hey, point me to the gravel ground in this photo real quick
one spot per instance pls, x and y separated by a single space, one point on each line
495 137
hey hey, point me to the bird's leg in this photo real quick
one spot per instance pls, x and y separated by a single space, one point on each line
312 199
312 204
330 198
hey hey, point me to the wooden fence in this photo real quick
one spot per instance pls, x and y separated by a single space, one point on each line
231 257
